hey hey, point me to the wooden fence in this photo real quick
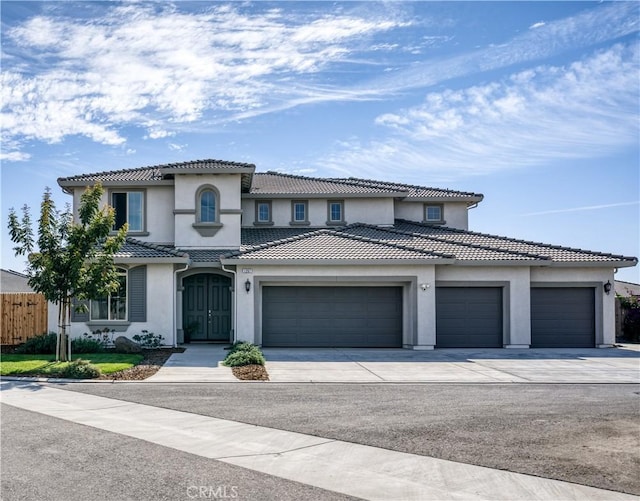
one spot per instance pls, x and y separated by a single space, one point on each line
24 315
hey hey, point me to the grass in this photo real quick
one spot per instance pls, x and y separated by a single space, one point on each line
25 365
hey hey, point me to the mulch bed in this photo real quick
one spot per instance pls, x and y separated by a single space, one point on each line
153 360
251 373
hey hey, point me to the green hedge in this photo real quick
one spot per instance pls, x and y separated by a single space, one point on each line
244 353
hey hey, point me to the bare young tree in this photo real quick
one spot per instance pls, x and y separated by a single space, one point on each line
70 259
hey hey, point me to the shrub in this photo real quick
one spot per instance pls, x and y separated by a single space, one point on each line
242 346
44 344
631 322
86 345
80 369
148 340
244 354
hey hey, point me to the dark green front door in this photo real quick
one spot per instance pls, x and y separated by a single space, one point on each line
207 308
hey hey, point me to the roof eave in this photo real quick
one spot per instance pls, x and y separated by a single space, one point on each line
106 183
333 262
627 263
332 195
231 169
152 260
442 199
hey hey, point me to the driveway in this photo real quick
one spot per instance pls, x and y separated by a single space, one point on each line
202 363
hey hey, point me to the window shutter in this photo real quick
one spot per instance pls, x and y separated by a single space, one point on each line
137 294
79 316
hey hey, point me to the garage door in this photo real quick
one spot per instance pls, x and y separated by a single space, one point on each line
332 316
562 317
469 317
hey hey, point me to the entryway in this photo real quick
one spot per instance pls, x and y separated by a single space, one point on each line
206 309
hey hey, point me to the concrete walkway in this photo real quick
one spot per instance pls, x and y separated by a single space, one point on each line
357 470
201 363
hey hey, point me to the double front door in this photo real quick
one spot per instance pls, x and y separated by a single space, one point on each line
206 309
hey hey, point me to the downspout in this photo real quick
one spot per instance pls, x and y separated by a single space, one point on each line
235 304
175 303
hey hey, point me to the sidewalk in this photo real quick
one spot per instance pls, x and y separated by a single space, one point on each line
201 363
357 470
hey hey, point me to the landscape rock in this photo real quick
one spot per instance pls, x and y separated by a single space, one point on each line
125 345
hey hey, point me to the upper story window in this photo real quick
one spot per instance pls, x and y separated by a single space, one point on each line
299 212
129 208
263 212
207 206
207 209
433 213
335 210
114 305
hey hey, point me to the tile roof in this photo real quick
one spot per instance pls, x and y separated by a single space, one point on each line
462 251
333 245
554 253
405 241
274 183
151 173
413 191
137 249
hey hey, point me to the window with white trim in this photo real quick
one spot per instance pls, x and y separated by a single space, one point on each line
207 207
263 212
114 305
335 209
433 213
129 208
299 212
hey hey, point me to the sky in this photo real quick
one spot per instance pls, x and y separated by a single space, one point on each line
536 105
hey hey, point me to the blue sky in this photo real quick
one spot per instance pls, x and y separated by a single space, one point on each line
535 105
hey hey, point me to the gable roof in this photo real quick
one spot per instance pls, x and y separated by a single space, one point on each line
137 251
157 173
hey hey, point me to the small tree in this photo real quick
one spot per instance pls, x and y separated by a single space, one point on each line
73 259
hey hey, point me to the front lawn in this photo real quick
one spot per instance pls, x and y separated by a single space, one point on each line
45 365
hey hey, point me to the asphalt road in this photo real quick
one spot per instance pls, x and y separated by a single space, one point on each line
49 459
588 434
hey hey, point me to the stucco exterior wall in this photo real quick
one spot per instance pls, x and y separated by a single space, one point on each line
160 308
158 211
455 214
228 188
378 211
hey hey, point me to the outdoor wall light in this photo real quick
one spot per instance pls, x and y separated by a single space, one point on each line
424 287
247 286
607 287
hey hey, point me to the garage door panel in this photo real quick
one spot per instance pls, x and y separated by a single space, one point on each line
469 317
562 317
332 316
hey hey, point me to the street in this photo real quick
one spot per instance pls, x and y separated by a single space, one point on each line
587 434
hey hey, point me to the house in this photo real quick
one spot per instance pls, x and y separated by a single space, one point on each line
218 252
13 281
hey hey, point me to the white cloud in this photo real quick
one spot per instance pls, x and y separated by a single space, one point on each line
153 63
584 208
539 24
14 156
587 109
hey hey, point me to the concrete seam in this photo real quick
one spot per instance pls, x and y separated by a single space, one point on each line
278 453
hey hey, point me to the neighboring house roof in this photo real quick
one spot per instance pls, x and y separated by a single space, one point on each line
626 289
12 281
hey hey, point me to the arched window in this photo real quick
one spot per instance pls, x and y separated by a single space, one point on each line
207 206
